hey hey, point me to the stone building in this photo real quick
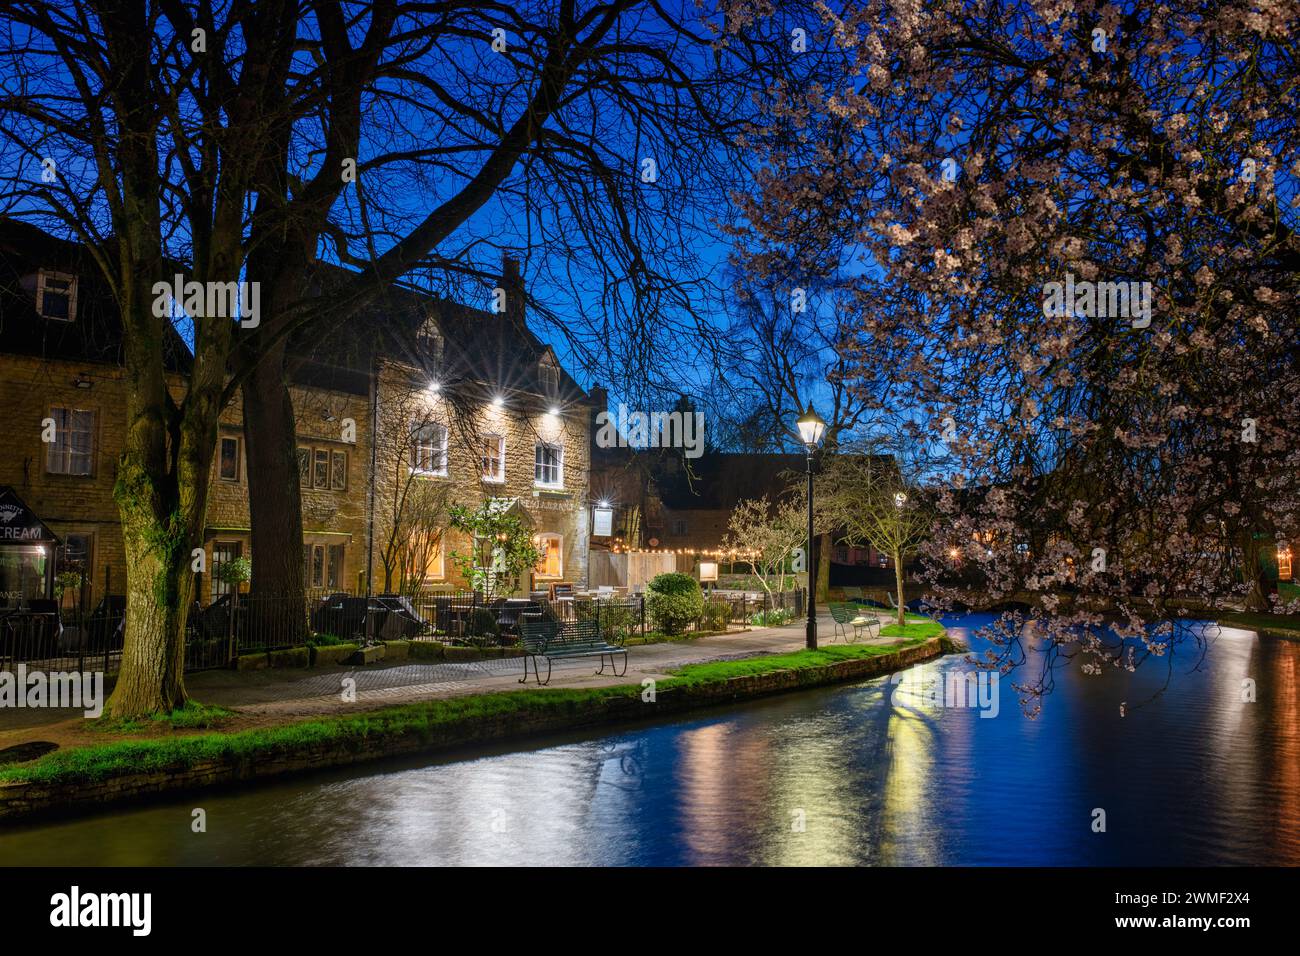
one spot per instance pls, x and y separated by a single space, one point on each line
464 401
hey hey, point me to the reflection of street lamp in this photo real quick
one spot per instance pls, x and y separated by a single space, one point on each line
811 429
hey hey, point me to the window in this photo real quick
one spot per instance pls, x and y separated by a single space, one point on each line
334 567
551 563
313 563
679 526
429 342
222 552
428 448
75 556
304 467
320 475
228 463
339 471
494 458
548 468
72 451
550 377
56 295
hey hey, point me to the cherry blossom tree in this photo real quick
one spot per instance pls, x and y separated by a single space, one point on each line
1071 227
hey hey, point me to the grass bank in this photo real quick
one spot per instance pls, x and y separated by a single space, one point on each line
102 773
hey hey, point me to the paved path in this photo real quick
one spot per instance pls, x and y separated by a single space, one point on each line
273 695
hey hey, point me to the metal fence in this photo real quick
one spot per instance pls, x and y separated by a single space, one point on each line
234 626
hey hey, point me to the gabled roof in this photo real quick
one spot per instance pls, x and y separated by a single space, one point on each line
95 332
479 347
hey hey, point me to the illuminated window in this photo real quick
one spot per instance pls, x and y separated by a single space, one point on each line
551 563
1284 572
428 448
494 458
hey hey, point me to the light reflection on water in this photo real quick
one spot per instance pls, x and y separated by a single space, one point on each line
1194 776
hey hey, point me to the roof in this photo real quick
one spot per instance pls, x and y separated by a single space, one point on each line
481 347
95 332
718 480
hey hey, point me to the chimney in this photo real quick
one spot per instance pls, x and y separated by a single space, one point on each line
513 283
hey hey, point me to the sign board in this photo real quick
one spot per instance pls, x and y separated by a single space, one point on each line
602 522
18 523
708 570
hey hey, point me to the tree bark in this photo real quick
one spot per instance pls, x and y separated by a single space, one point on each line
278 602
824 567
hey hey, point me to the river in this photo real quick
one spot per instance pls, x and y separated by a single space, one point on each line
872 773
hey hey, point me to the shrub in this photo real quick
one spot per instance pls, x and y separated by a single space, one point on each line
675 601
717 614
324 640
618 620
483 624
773 618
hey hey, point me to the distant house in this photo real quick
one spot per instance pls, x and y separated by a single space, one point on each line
684 505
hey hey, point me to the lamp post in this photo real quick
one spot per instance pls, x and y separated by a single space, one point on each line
811 428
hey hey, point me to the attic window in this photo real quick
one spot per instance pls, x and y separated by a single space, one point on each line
429 341
550 376
56 296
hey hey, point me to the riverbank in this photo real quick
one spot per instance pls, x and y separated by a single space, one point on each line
85 778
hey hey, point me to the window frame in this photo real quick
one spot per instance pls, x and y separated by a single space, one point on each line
221 444
539 465
434 449
62 448
320 456
499 477
557 539
71 279
335 455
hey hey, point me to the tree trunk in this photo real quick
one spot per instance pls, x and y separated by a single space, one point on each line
278 607
1251 573
159 589
824 567
898 579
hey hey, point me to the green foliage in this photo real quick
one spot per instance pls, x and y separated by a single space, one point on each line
235 571
190 716
773 618
324 640
617 620
716 615
66 581
483 623
916 628
675 601
502 549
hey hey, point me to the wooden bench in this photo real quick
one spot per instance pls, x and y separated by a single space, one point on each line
556 639
850 615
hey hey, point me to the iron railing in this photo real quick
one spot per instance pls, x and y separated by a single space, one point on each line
234 626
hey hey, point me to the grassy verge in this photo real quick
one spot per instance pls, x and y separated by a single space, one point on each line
193 716
917 628
1284 625
98 762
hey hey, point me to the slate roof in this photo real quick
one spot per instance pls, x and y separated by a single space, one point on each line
95 332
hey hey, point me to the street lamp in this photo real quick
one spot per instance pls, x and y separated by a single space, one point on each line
811 429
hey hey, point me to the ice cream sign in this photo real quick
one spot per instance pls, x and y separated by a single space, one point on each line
18 522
